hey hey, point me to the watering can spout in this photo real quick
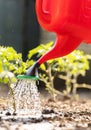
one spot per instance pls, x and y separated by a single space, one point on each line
33 70
64 45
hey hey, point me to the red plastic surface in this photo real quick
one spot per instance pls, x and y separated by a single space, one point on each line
69 19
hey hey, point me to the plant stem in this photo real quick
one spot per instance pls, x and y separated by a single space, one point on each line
74 91
12 92
68 83
51 80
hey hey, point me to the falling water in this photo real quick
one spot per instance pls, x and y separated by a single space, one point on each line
27 98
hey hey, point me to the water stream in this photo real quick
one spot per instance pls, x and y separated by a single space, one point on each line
27 98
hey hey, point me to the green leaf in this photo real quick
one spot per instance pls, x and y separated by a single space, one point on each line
43 67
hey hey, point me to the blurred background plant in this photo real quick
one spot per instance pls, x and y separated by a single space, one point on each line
72 66
67 68
11 64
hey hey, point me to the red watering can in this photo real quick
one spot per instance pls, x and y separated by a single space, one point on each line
70 20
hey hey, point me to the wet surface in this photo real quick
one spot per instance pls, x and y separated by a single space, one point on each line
56 115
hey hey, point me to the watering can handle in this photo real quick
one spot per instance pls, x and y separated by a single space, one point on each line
64 45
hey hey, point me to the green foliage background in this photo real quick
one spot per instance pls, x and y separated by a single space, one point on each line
11 64
67 68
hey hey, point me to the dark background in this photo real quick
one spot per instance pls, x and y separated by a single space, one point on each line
18 25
